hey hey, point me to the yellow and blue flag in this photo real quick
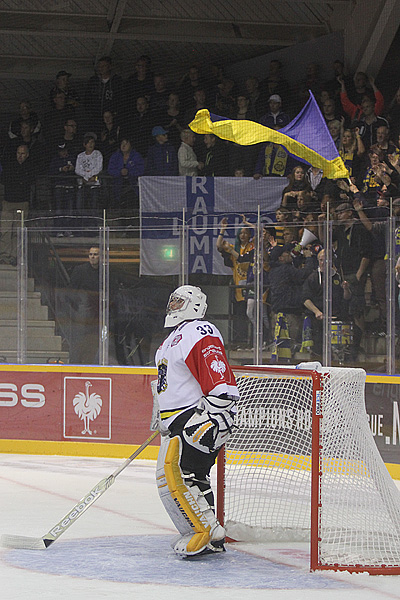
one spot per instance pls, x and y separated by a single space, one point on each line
306 137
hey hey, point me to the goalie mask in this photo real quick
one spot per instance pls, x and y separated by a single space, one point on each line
187 302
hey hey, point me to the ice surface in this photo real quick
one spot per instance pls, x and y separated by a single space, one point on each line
120 548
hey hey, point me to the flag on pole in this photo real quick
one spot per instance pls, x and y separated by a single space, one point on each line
306 137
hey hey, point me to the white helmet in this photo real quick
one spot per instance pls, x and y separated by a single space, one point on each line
187 302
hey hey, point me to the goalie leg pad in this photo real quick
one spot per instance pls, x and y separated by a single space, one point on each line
187 506
170 506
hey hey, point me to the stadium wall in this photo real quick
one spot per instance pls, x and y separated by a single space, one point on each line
106 411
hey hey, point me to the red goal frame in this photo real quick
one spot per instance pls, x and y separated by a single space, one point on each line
316 447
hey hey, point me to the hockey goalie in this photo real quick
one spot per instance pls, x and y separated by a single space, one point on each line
196 394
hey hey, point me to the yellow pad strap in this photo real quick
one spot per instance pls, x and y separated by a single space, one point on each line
184 499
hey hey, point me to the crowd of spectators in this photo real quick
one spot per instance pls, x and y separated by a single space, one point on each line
116 130
110 107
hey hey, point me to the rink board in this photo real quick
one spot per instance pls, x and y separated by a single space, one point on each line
75 410
43 409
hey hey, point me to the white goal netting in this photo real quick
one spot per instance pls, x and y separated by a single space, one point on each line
267 493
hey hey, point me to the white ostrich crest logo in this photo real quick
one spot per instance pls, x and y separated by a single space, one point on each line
218 366
87 407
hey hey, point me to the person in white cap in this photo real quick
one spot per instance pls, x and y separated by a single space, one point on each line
275 118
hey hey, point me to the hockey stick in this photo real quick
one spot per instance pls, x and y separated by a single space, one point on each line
32 543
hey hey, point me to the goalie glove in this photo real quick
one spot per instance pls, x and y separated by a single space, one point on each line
211 425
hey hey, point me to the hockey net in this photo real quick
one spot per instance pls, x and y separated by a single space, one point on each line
303 465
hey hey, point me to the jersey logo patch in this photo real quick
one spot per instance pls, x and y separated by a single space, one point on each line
176 340
162 376
218 366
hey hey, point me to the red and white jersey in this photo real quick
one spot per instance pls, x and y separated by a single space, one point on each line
191 363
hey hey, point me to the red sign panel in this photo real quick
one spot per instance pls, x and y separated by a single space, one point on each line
87 408
67 404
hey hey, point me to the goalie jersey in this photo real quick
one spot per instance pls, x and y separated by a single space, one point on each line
191 363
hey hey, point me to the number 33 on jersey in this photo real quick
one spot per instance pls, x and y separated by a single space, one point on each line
194 348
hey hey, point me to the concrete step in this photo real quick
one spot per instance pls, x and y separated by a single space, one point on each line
9 282
44 343
35 310
12 294
35 328
35 357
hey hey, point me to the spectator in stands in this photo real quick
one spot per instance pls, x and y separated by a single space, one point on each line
335 129
28 138
376 224
375 176
162 158
355 110
62 173
105 91
159 97
225 98
110 136
199 103
369 123
25 114
290 235
84 299
18 178
297 183
242 246
248 258
173 120
304 205
70 138
141 125
333 86
187 86
318 183
330 111
360 86
275 83
384 143
187 159
89 165
139 85
72 99
126 165
354 251
312 79
53 122
352 151
366 114
275 118
258 102
239 172
239 154
285 283
283 217
216 157
312 297
243 109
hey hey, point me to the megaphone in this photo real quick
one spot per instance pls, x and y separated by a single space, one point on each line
307 238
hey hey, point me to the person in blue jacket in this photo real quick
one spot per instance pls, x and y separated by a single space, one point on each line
162 158
125 165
